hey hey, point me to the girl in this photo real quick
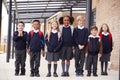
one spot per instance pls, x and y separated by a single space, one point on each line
53 42
106 38
67 36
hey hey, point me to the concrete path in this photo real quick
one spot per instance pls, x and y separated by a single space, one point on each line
7 72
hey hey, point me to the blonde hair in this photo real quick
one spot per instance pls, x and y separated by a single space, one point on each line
50 29
80 17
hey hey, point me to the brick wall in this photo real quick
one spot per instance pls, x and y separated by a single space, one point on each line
108 11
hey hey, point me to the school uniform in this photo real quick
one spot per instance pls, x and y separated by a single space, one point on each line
35 45
80 38
67 37
53 46
20 51
93 50
106 45
106 39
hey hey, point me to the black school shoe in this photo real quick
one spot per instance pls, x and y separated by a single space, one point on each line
55 75
22 74
37 74
32 75
48 75
63 74
16 74
67 74
94 74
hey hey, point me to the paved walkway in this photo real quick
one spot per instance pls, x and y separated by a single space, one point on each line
7 72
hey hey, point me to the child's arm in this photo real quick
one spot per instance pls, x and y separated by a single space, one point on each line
59 46
86 50
42 46
100 44
85 38
16 36
25 35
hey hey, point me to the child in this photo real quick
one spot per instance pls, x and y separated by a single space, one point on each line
67 37
20 38
53 42
106 38
80 38
93 48
35 48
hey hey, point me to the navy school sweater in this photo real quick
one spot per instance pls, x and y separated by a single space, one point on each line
54 44
34 42
93 45
20 41
80 36
106 43
67 37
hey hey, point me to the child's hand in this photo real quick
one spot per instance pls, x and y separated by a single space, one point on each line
99 55
43 53
20 33
28 51
86 54
81 46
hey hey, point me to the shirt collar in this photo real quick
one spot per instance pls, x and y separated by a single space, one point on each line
36 31
80 27
105 33
54 31
66 26
94 36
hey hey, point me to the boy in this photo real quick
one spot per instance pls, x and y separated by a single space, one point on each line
93 48
80 38
35 48
20 38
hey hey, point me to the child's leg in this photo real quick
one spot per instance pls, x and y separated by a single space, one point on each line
32 59
106 65
82 59
23 59
49 67
102 64
67 65
77 59
17 63
37 63
95 59
55 68
63 66
89 64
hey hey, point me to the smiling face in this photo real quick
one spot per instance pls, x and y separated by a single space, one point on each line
81 22
36 25
54 25
94 32
66 21
104 28
20 26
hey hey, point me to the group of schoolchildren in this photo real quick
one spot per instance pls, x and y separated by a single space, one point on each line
63 43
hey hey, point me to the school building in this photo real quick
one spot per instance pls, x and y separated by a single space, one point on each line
102 11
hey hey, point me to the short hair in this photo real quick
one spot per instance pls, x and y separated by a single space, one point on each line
93 27
21 22
36 21
80 17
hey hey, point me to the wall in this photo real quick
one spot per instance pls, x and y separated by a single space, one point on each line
108 11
